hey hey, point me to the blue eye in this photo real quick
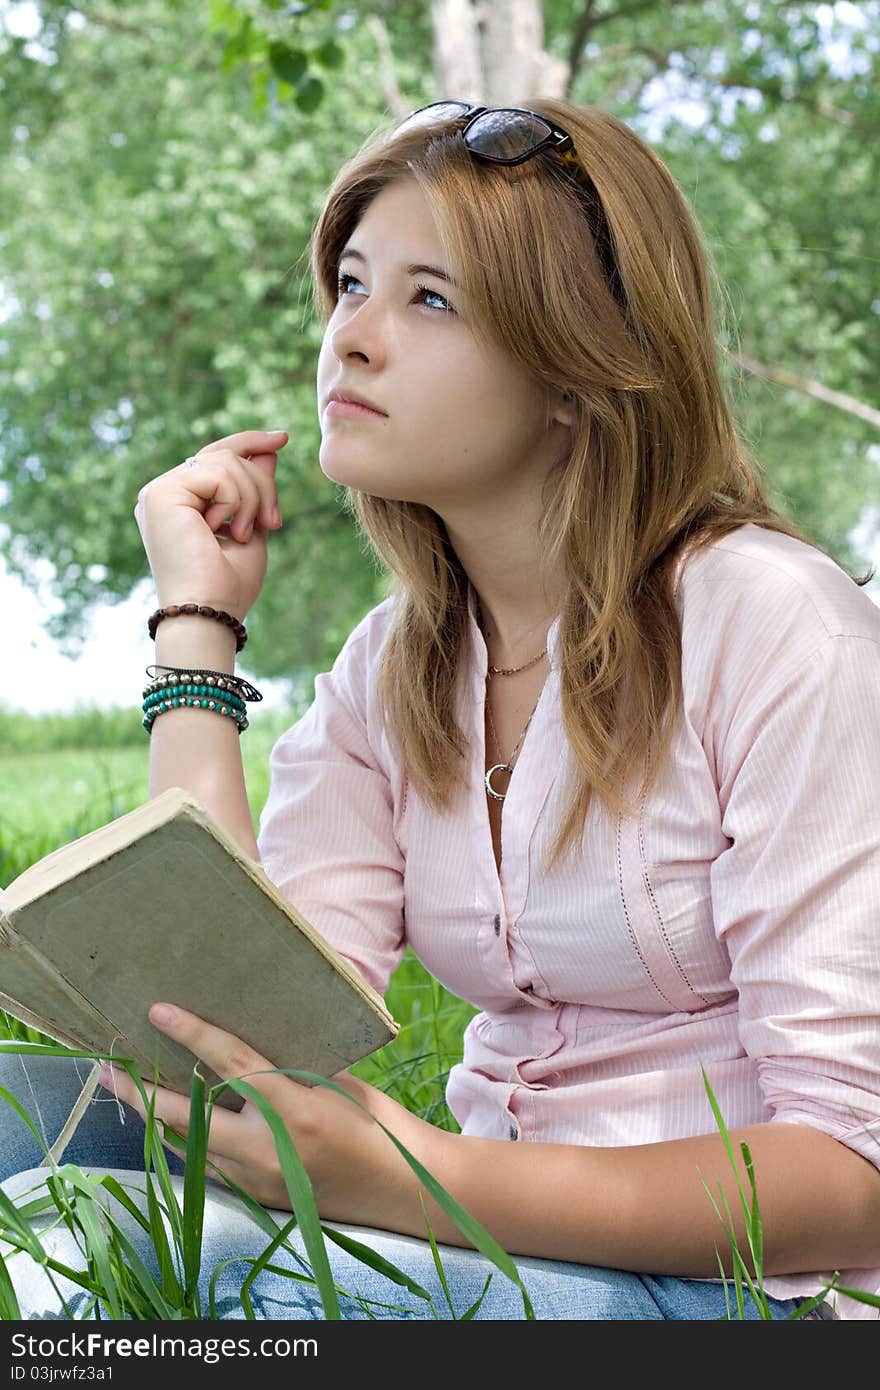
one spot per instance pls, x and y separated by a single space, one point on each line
343 279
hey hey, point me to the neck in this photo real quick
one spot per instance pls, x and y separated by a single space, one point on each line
522 656
515 610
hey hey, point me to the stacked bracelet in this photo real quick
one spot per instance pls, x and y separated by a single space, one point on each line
218 691
204 610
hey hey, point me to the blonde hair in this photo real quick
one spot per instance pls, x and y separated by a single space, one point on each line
656 463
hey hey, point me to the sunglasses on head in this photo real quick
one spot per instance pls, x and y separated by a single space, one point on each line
513 134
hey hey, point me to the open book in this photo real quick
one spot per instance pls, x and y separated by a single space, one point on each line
163 904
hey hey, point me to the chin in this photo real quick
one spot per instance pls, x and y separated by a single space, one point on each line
346 474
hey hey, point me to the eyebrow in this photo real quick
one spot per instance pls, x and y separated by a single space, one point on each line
414 269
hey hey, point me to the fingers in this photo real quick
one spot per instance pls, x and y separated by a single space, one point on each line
261 444
169 1106
173 1109
235 476
213 1161
224 1052
236 489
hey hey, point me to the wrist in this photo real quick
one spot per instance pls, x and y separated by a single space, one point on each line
191 640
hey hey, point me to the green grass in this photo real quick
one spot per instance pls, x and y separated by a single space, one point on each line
50 795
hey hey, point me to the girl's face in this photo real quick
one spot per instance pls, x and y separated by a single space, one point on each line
462 425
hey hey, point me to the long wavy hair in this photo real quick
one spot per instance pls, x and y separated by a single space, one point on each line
607 295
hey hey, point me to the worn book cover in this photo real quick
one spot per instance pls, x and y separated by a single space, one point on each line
162 904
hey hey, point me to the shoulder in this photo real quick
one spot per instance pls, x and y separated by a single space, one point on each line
759 596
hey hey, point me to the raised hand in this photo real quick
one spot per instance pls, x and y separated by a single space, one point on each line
205 527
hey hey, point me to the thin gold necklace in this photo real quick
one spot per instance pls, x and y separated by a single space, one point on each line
507 670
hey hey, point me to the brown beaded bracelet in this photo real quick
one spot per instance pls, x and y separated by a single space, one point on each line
174 610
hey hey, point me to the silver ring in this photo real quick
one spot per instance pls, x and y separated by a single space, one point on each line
191 462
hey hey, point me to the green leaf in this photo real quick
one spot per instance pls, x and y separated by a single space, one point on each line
474 1308
309 95
290 64
89 1215
329 54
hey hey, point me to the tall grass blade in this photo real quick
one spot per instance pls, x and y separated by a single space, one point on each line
10 1308
371 1257
258 1266
299 1190
194 1186
438 1264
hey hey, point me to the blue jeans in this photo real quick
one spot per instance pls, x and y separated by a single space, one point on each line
110 1138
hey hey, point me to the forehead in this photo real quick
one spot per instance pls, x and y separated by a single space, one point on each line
400 210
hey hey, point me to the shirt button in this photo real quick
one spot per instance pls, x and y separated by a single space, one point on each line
513 1132
497 924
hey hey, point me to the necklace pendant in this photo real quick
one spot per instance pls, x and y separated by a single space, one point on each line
499 767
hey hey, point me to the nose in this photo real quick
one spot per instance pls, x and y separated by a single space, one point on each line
364 330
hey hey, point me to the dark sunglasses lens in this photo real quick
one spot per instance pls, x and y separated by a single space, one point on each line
430 115
506 134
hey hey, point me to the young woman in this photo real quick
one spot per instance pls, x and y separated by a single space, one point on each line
606 757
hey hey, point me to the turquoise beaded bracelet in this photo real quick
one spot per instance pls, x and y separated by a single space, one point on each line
220 705
156 697
221 694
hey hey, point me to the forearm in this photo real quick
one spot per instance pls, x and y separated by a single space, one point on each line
195 748
644 1207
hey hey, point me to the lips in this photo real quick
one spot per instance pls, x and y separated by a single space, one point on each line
356 399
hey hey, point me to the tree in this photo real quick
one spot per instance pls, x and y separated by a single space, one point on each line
162 177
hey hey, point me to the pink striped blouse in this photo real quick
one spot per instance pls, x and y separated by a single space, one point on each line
736 925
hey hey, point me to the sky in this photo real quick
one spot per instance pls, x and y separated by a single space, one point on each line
36 677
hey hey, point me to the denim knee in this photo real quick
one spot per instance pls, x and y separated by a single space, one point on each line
109 1134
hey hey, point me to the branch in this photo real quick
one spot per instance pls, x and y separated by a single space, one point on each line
107 21
838 399
627 11
394 99
773 90
579 39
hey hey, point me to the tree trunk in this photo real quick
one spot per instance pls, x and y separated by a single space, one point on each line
493 53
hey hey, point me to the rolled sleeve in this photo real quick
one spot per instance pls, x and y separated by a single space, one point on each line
796 896
326 835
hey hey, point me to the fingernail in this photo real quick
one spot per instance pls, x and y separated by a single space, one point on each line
276 516
106 1077
278 431
163 1013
